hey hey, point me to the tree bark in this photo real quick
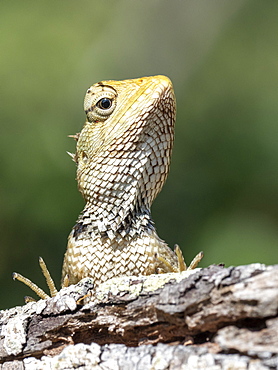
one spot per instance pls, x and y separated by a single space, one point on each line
211 318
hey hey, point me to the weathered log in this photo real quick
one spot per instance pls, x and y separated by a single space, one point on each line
211 318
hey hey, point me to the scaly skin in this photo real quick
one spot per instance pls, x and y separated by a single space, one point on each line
123 156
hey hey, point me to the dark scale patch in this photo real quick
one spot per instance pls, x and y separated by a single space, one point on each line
123 229
150 224
79 228
130 225
104 235
90 109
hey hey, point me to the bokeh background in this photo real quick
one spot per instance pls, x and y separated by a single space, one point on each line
222 56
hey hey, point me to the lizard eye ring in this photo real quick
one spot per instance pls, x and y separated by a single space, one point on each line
99 105
104 103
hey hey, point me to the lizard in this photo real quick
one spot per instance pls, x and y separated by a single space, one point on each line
123 155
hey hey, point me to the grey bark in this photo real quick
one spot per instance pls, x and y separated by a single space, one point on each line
211 318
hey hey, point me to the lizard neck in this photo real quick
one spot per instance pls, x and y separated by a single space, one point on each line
119 224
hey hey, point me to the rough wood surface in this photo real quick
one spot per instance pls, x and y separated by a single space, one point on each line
213 318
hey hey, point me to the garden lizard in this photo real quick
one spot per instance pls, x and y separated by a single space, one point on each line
123 156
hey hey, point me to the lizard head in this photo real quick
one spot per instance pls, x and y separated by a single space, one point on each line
124 149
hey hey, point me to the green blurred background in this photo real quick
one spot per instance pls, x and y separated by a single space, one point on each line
222 56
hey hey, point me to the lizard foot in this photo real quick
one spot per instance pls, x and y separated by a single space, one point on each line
181 265
52 289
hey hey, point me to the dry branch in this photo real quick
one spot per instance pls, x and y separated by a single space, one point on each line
213 318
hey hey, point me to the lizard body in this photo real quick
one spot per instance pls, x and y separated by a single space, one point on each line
123 155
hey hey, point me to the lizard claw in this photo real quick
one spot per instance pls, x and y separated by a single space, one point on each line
40 293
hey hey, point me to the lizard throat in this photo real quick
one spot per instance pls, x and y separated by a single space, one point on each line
132 225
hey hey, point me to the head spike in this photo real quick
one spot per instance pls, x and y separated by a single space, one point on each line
76 136
72 155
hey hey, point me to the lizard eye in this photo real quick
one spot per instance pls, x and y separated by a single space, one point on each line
104 103
99 103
